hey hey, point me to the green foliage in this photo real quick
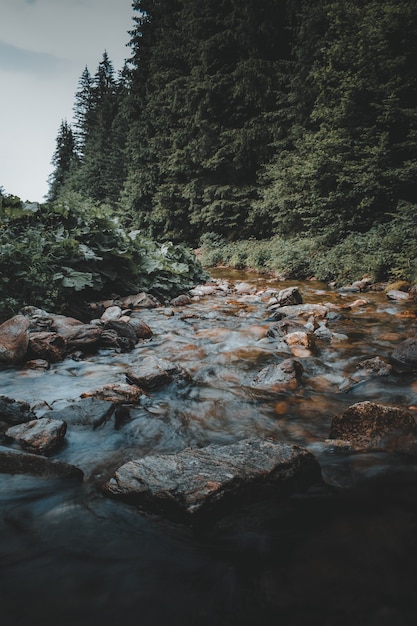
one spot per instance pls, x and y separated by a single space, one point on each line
74 250
386 252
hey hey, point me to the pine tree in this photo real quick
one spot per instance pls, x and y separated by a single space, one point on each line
64 160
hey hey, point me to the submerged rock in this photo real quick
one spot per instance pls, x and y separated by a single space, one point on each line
281 376
92 412
367 425
196 481
18 462
40 435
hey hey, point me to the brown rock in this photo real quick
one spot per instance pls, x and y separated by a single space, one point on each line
368 425
139 301
40 435
141 329
181 300
47 345
154 373
116 392
14 340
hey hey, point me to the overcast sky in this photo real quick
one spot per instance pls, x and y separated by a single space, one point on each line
44 47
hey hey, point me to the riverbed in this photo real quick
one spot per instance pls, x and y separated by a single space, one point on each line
344 552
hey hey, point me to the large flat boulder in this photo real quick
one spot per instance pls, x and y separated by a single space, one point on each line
194 482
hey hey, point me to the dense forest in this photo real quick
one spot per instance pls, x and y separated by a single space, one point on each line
279 135
251 118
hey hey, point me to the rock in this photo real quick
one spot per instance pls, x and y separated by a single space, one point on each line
15 411
40 435
17 462
77 335
112 313
141 329
116 392
367 425
396 294
301 344
125 335
195 482
47 345
405 354
181 300
85 337
317 310
14 340
154 373
244 288
139 301
280 377
323 333
91 412
375 366
37 364
284 327
289 297
203 290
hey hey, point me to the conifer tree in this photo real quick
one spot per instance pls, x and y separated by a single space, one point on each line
64 160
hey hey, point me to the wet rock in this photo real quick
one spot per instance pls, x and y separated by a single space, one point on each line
91 412
139 301
18 462
111 313
396 294
244 288
154 373
142 330
181 300
48 346
316 310
301 344
37 364
195 482
288 297
78 336
367 425
40 435
14 340
116 392
405 354
15 411
126 335
203 290
323 333
374 367
284 327
280 377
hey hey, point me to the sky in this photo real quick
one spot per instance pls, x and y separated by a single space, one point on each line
44 48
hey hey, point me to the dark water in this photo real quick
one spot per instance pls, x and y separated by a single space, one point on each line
343 553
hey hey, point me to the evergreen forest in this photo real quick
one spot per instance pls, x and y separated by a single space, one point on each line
251 118
274 134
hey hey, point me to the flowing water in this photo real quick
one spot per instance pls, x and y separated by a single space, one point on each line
343 553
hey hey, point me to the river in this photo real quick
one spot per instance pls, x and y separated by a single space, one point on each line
344 553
